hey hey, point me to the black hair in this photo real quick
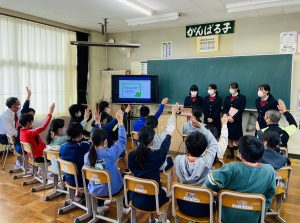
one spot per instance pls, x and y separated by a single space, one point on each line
213 129
196 111
25 118
194 88
251 148
266 87
151 122
144 111
98 136
234 85
31 110
55 125
75 129
11 101
146 136
213 86
73 109
103 105
196 143
104 115
273 140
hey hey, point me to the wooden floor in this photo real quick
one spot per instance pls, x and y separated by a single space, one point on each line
18 204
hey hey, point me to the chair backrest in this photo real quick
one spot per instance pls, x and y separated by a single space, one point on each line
11 140
218 164
284 175
27 151
52 156
194 194
184 137
141 186
134 139
97 176
241 201
69 168
284 151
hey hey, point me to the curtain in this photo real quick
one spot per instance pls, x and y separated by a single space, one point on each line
40 57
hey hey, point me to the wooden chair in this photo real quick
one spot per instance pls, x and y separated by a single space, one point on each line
193 194
275 207
284 151
284 178
52 156
7 149
146 187
218 164
102 177
241 201
12 147
134 139
70 204
28 150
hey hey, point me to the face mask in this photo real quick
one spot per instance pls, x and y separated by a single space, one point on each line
260 94
232 91
211 91
194 93
78 114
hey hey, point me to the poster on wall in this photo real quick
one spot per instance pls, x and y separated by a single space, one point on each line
209 29
167 50
208 44
289 42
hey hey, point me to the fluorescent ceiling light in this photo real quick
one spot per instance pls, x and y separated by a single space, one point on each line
153 19
139 6
105 44
259 4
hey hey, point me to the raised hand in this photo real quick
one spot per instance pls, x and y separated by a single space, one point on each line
51 109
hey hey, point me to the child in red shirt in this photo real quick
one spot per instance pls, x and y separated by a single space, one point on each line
29 135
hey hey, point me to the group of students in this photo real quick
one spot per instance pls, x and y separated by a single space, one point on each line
203 145
234 106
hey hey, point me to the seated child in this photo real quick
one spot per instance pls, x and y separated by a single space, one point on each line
56 134
76 116
145 163
272 118
193 167
144 112
272 156
30 135
152 122
223 138
248 176
74 151
102 157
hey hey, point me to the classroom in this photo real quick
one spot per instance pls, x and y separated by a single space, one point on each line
150 111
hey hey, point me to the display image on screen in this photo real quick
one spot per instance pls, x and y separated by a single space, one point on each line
135 89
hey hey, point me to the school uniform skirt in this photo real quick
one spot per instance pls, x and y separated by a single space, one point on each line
235 131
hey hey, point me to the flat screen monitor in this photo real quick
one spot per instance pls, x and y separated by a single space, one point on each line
134 89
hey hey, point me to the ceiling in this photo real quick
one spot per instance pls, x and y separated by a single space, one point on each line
88 13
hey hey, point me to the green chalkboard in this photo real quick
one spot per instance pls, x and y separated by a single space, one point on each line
175 76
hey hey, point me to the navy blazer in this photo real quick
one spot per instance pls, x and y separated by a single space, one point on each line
212 110
189 104
270 104
239 103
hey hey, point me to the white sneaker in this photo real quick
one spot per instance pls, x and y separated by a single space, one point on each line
126 211
101 210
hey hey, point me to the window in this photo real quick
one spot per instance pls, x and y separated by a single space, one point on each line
40 57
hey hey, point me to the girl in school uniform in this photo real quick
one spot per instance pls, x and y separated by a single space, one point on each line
193 100
234 106
264 102
212 107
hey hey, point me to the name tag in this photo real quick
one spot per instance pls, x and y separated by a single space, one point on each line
191 197
140 189
240 206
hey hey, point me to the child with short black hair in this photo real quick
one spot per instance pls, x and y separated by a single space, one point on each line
248 176
188 126
272 156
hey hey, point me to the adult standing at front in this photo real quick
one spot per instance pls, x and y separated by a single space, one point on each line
264 103
193 100
234 107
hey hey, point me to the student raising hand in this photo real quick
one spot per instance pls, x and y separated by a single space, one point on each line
51 109
87 113
119 117
28 93
281 106
224 119
128 109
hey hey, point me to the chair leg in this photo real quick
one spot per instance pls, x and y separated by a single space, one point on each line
89 213
3 154
43 181
163 216
5 158
119 209
56 191
133 215
176 219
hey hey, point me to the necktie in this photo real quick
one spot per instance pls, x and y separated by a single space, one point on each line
16 120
